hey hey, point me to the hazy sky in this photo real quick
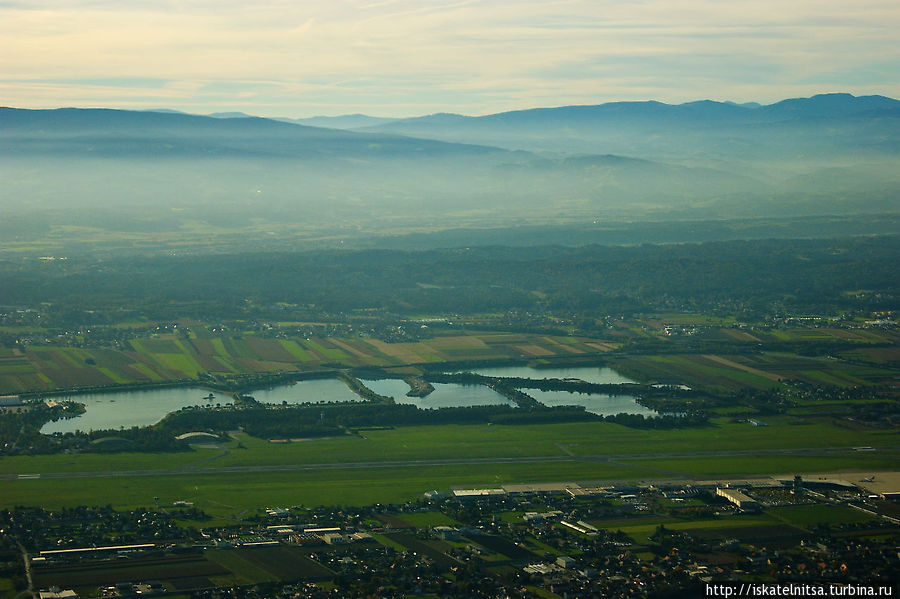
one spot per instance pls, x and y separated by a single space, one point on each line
410 57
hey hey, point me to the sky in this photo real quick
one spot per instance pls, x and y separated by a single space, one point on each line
301 58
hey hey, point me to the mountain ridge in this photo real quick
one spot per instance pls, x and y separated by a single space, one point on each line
708 158
74 129
839 103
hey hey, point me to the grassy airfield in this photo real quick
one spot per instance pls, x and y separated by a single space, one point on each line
190 353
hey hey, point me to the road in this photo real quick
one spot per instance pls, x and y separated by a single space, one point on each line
617 459
29 592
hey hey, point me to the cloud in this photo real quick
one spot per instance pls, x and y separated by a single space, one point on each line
428 55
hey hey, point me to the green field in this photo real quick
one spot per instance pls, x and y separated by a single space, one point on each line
641 533
188 354
428 519
586 447
806 516
180 356
224 495
483 441
93 462
581 445
760 371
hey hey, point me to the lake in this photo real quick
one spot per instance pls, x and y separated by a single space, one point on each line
131 408
310 391
143 408
596 403
599 375
445 395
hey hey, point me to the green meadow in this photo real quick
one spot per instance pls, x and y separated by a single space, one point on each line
444 442
224 495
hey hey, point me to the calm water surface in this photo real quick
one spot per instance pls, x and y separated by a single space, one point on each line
588 374
131 408
311 391
445 395
142 408
604 405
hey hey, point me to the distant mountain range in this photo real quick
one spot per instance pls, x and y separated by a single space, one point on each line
822 125
119 133
832 153
828 127
345 121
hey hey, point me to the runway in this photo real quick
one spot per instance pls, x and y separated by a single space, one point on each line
193 470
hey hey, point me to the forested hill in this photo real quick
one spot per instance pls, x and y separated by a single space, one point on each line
764 276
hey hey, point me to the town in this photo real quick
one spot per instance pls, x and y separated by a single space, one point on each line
652 538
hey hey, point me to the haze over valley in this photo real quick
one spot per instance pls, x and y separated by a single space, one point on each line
120 171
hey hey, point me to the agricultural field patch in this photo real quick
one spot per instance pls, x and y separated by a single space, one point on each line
156 346
204 347
456 342
181 363
326 351
108 572
119 380
433 549
15 366
269 350
566 345
806 516
238 348
213 364
189 358
284 563
604 347
295 350
393 521
740 335
732 364
406 353
218 346
429 519
503 546
486 354
692 319
876 355
147 372
757 371
71 376
752 534
110 358
641 533
616 522
533 350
